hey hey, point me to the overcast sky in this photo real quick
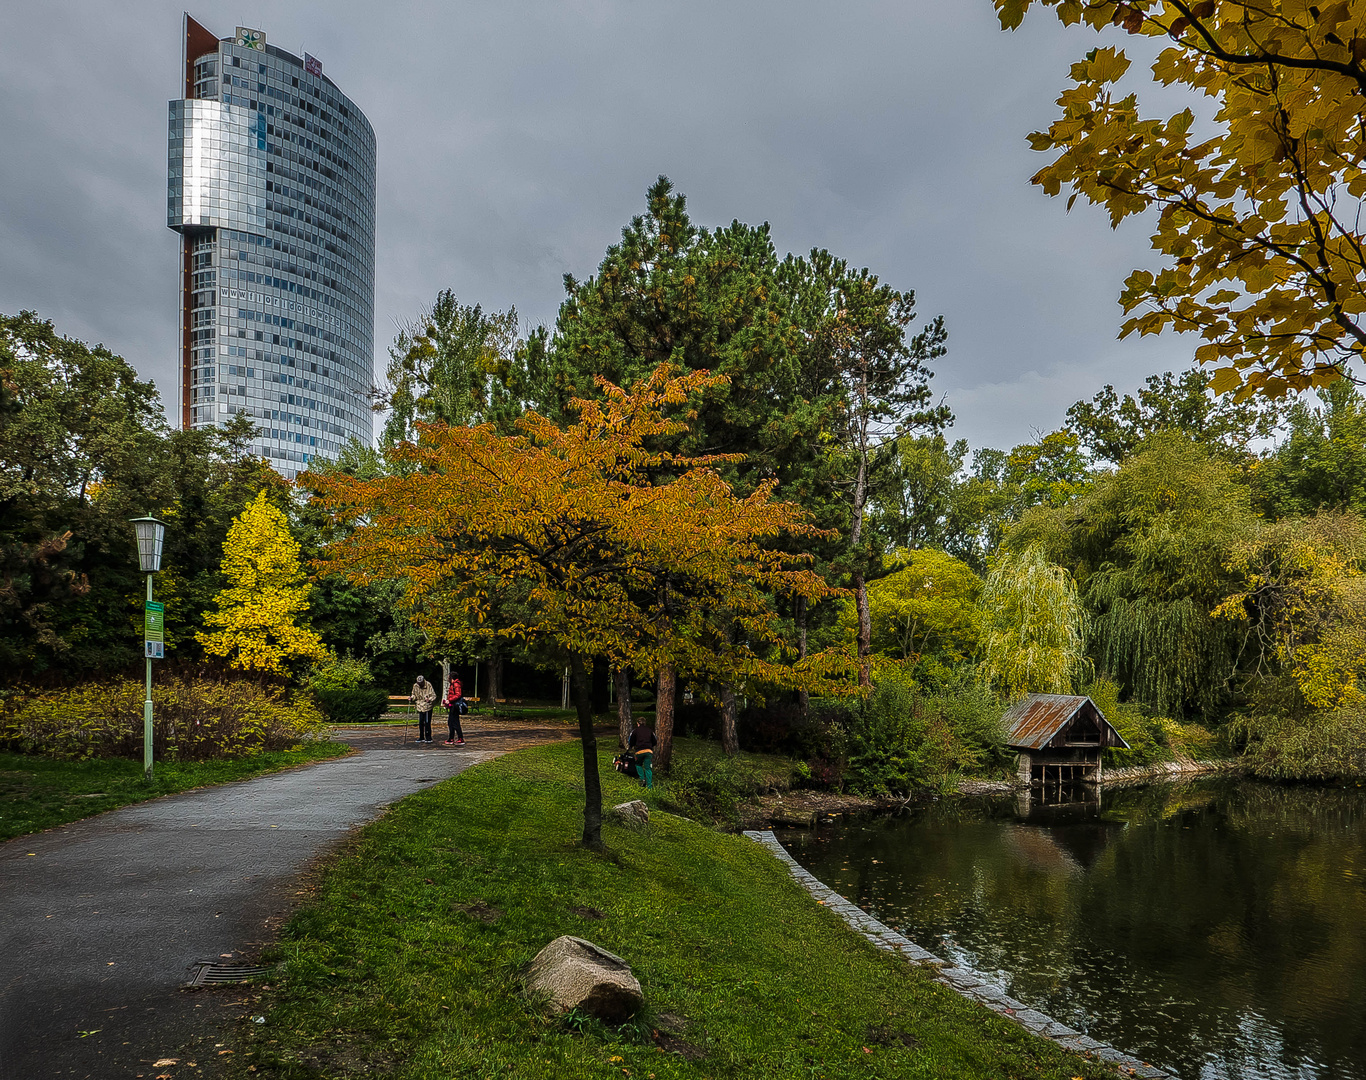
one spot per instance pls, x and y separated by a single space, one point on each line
515 140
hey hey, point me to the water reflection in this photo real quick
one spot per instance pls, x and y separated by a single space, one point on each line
1217 928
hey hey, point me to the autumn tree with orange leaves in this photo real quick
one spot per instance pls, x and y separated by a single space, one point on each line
589 528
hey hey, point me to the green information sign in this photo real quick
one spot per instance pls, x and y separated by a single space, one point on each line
154 628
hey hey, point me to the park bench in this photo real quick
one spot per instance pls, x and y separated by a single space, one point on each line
399 703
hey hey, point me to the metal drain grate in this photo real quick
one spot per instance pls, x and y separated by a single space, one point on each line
211 973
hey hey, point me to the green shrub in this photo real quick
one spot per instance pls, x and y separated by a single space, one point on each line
363 705
899 740
1318 746
341 673
1199 742
974 713
193 720
1150 738
711 786
345 690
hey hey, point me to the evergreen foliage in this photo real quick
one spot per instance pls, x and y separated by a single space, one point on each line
1321 464
81 442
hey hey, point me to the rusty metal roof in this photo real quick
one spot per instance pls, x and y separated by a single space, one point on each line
1032 723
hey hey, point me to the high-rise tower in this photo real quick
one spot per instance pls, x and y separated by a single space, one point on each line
272 188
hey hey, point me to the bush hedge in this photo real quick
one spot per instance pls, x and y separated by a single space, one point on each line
193 720
359 705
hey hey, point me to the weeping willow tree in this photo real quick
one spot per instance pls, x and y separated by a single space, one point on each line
1160 533
1172 653
1149 546
1036 626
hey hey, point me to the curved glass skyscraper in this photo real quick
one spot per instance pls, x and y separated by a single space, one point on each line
272 188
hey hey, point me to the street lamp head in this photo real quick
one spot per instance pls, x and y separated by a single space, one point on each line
150 532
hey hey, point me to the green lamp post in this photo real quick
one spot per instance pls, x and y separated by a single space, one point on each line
151 532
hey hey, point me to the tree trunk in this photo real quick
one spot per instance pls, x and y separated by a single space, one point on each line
495 677
622 679
865 630
803 695
730 741
592 785
664 716
865 625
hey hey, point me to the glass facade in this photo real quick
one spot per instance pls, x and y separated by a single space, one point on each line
272 188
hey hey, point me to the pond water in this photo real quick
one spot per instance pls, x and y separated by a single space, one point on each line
1215 928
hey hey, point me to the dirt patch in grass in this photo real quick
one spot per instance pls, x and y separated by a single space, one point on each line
344 1058
882 1035
485 913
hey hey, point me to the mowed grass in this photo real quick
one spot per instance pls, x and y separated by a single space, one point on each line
407 962
39 793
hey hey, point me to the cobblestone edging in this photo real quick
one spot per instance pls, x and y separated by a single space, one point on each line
1164 770
966 982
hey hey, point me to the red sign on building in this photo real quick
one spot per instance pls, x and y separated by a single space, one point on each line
313 65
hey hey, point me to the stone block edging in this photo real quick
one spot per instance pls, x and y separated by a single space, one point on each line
966 982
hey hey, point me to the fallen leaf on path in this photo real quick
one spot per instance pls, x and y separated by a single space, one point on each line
164 1062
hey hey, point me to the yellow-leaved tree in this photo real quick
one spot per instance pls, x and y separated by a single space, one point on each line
1259 201
256 624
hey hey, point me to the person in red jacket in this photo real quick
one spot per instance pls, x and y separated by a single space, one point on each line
454 702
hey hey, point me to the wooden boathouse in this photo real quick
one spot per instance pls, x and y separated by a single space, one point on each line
1060 738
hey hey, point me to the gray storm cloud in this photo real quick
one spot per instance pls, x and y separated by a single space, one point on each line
516 139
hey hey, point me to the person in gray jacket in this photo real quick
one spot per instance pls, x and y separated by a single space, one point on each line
423 698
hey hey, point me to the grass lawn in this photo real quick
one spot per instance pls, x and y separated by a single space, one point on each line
39 793
406 962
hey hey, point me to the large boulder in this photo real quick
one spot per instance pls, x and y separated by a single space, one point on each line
634 814
576 974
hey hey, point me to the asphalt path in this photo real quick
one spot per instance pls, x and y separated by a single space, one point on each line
103 922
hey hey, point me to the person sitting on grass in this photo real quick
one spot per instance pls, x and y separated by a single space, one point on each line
643 742
455 705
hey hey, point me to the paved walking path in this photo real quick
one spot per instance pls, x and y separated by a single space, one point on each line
102 921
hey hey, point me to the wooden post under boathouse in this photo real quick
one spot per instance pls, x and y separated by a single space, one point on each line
1060 738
